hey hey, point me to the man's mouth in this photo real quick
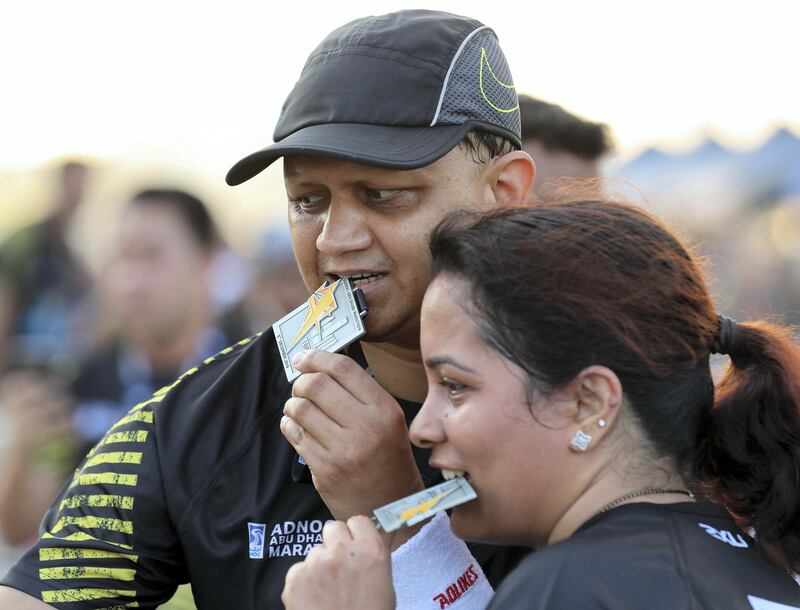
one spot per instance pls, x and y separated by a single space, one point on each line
360 279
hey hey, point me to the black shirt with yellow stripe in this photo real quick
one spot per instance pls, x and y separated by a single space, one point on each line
192 485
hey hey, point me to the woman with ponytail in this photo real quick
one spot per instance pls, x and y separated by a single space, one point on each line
567 352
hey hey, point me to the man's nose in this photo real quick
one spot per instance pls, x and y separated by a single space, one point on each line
345 229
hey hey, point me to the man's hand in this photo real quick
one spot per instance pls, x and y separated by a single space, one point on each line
351 433
352 569
40 442
38 410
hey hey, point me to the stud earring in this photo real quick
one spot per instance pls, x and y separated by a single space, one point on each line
601 423
580 442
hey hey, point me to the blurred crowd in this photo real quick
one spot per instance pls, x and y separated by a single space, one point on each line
78 348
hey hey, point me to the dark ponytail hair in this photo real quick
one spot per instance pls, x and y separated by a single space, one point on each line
748 456
560 287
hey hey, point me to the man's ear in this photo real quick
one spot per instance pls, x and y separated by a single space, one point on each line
510 178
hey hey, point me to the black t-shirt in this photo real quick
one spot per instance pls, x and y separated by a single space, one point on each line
194 484
653 556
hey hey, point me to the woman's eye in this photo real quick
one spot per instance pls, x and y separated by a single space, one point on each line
454 389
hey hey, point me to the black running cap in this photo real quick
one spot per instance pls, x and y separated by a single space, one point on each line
396 91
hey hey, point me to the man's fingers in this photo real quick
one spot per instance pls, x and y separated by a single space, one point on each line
344 370
325 392
305 444
312 420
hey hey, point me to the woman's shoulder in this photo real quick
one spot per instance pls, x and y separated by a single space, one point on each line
648 556
610 562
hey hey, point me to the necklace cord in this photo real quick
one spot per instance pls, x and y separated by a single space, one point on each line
649 491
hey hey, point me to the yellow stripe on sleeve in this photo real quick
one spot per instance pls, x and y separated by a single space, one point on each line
115 457
90 523
98 501
83 537
68 573
123 606
62 553
140 416
64 596
157 397
128 436
108 478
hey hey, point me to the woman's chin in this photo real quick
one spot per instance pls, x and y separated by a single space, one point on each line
466 524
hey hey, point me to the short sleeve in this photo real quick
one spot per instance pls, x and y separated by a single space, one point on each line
108 540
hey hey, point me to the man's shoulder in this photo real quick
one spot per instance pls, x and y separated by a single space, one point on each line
242 383
210 412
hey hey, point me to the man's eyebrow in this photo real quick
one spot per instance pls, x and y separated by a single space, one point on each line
435 361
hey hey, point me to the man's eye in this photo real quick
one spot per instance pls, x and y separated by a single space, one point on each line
454 389
382 194
306 203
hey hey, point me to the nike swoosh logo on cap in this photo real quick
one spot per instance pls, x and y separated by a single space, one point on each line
485 60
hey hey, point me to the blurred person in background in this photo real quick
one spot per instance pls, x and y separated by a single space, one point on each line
562 144
44 284
156 289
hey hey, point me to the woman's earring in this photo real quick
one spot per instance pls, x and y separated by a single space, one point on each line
580 442
601 423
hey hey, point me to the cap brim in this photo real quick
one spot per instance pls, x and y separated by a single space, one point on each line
379 145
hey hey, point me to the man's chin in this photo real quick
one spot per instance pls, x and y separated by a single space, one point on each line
402 333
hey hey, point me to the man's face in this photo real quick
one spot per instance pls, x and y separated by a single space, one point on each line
552 165
373 224
158 275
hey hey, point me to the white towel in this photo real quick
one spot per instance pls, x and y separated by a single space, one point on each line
435 570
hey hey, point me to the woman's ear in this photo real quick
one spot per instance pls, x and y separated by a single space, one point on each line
598 395
511 178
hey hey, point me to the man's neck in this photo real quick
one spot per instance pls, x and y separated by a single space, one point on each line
399 370
169 357
171 354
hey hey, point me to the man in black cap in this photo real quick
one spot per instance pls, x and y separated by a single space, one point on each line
395 121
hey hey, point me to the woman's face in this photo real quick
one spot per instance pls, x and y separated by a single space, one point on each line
477 419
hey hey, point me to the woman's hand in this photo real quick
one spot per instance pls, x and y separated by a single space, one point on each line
351 569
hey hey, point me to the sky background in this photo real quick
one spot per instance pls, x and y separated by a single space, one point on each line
192 87
205 82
